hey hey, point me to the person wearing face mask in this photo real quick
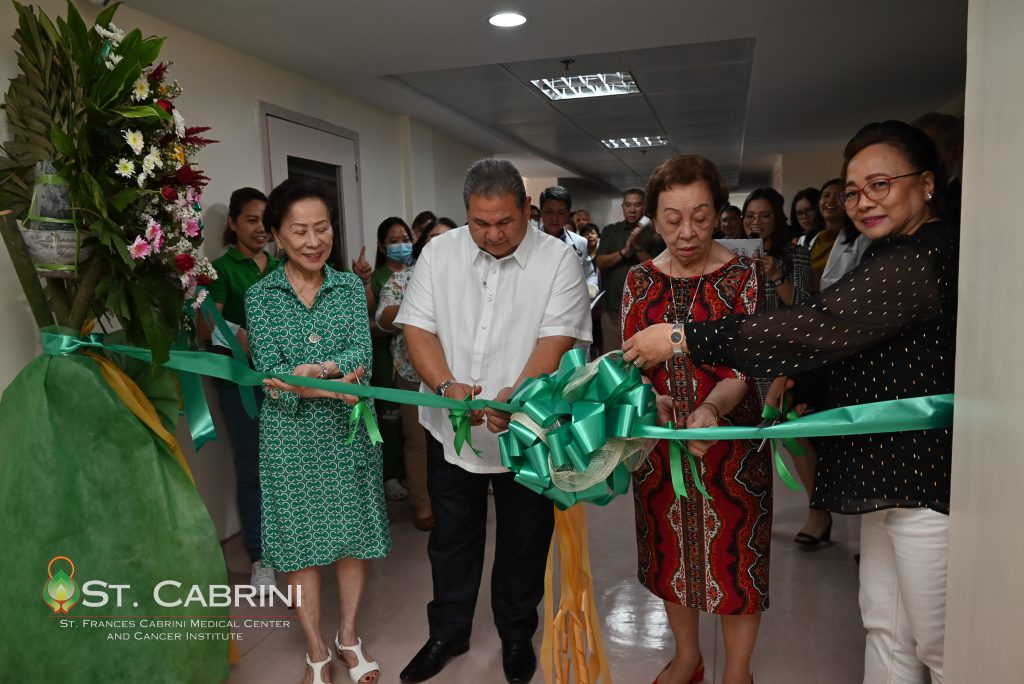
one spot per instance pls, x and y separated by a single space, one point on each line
887 330
394 254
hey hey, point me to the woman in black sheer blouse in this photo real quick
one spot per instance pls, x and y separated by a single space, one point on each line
885 331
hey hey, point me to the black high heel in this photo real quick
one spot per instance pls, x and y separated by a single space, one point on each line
810 540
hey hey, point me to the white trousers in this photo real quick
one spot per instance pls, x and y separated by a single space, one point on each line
903 594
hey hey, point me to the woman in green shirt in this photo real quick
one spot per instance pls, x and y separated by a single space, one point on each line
394 252
323 499
243 264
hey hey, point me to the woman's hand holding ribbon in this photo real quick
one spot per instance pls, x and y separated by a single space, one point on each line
497 421
313 370
702 416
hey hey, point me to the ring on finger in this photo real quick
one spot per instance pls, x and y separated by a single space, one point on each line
638 362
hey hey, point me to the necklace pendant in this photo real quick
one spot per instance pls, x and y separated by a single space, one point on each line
314 338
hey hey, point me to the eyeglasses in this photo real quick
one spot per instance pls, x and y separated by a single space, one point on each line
875 190
764 217
803 213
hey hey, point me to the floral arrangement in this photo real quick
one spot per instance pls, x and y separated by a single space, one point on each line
98 106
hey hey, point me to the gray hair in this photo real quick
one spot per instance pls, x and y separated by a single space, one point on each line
492 178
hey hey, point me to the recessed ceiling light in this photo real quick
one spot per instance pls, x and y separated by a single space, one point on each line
638 141
507 19
589 85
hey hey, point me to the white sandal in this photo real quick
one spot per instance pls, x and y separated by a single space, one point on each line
318 668
362 666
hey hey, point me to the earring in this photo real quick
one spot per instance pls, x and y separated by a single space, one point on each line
928 197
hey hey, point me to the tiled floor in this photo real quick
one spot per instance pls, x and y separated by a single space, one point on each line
811 634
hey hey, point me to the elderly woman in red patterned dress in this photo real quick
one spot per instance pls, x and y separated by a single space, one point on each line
700 554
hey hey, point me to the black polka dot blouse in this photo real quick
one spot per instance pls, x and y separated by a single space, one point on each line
887 330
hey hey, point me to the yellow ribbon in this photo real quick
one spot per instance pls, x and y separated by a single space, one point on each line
138 403
572 641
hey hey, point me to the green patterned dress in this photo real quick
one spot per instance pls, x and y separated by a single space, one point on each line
322 499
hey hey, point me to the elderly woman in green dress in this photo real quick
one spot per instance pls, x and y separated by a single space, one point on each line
323 501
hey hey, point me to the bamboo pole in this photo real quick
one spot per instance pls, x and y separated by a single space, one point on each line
25 270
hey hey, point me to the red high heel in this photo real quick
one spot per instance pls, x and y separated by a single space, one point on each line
695 678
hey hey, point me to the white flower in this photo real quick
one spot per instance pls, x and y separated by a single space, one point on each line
112 61
153 159
142 178
140 90
179 124
125 168
111 33
134 140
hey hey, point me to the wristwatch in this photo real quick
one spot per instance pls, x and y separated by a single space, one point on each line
677 339
443 387
778 283
323 370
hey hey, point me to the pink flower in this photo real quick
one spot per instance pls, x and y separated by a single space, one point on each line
139 249
192 228
153 231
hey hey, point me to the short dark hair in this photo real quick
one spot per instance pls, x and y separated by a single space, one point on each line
780 236
849 231
590 228
492 178
287 193
382 234
421 241
239 199
730 207
634 191
685 169
949 129
445 221
915 146
556 193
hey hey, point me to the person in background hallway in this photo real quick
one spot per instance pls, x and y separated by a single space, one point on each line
418 223
947 133
694 556
623 245
534 216
580 218
593 235
391 296
803 216
323 502
489 305
444 221
730 223
833 221
555 203
887 330
243 264
394 254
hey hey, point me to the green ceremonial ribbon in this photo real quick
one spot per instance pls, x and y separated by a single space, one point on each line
773 414
216 320
577 413
361 413
462 423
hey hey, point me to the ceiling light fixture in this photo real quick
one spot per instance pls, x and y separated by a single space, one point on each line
507 19
635 142
589 85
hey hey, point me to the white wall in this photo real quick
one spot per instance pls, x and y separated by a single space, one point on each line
985 610
405 167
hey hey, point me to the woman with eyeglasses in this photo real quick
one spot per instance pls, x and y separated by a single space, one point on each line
803 216
885 331
415 447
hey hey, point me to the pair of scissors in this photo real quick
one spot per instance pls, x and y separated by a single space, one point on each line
767 423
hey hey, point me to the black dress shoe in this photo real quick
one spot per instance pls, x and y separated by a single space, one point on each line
431 659
518 660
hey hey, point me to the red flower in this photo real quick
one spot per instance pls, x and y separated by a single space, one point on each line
184 262
165 105
169 193
157 74
202 280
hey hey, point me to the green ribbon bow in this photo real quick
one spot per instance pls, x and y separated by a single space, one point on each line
776 416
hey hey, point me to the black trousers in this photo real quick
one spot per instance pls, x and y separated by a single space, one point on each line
524 522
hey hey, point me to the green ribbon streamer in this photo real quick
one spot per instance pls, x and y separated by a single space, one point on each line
613 404
772 413
216 320
462 423
361 413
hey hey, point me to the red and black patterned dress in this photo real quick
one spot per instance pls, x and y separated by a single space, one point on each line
709 554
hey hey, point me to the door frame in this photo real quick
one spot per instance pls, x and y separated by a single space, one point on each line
267 109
